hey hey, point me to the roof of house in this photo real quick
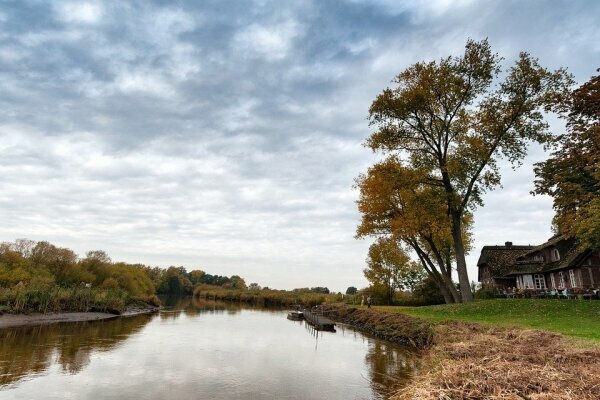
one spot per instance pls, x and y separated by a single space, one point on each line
514 260
500 259
555 241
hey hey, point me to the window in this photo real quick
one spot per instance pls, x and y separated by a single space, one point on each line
538 257
561 280
539 281
528 281
572 278
552 281
555 255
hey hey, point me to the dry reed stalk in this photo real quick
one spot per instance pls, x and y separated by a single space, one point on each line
471 361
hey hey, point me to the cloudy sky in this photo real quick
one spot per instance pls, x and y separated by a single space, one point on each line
226 135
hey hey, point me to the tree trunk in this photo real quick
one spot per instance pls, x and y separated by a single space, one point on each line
461 263
447 297
446 273
434 274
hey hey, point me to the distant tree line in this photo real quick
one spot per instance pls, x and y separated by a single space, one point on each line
32 264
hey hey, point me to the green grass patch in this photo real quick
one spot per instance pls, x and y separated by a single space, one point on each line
575 318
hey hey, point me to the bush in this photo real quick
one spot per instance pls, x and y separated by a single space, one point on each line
485 292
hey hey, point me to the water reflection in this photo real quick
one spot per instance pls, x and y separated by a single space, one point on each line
199 349
173 307
389 368
31 350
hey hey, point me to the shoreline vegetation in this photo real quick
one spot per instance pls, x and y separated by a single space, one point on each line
267 297
466 360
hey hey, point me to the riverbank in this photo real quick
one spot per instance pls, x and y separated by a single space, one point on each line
472 361
575 318
464 360
394 327
16 320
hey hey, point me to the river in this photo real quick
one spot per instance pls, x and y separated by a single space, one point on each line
198 350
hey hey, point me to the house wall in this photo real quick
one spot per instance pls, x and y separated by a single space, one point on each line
501 283
595 276
586 277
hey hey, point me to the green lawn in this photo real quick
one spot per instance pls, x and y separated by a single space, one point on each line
575 318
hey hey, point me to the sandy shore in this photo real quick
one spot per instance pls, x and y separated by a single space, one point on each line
13 320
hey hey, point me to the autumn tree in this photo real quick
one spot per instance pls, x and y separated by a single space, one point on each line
455 118
394 200
236 282
572 173
389 267
195 276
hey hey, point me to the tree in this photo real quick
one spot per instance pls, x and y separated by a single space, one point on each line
394 201
388 267
254 286
196 275
572 173
452 121
60 261
175 282
351 290
236 282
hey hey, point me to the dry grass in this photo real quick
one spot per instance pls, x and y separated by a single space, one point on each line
395 327
470 361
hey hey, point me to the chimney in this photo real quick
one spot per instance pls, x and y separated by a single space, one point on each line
508 244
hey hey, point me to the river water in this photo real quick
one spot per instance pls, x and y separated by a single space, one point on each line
198 350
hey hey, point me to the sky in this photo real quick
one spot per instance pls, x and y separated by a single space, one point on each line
227 135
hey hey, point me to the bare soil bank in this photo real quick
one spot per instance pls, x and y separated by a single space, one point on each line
14 320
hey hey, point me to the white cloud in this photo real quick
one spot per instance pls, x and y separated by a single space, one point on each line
271 42
80 12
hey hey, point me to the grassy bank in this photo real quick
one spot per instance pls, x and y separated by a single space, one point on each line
574 318
266 297
22 299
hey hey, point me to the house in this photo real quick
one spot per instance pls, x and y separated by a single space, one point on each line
559 263
495 263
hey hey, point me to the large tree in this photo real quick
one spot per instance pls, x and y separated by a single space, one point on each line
394 200
453 119
572 173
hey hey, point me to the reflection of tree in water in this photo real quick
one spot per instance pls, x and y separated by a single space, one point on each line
389 365
173 307
29 350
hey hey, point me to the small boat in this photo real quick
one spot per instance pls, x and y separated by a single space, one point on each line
295 315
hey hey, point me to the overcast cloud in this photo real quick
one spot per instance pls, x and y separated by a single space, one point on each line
226 135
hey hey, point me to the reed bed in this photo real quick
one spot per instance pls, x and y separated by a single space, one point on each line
26 300
277 298
470 361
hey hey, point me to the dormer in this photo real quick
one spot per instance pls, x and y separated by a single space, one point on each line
554 255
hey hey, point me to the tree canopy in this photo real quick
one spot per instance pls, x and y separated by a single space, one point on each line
452 120
394 201
572 173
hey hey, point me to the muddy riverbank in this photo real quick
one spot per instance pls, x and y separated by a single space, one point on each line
15 320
